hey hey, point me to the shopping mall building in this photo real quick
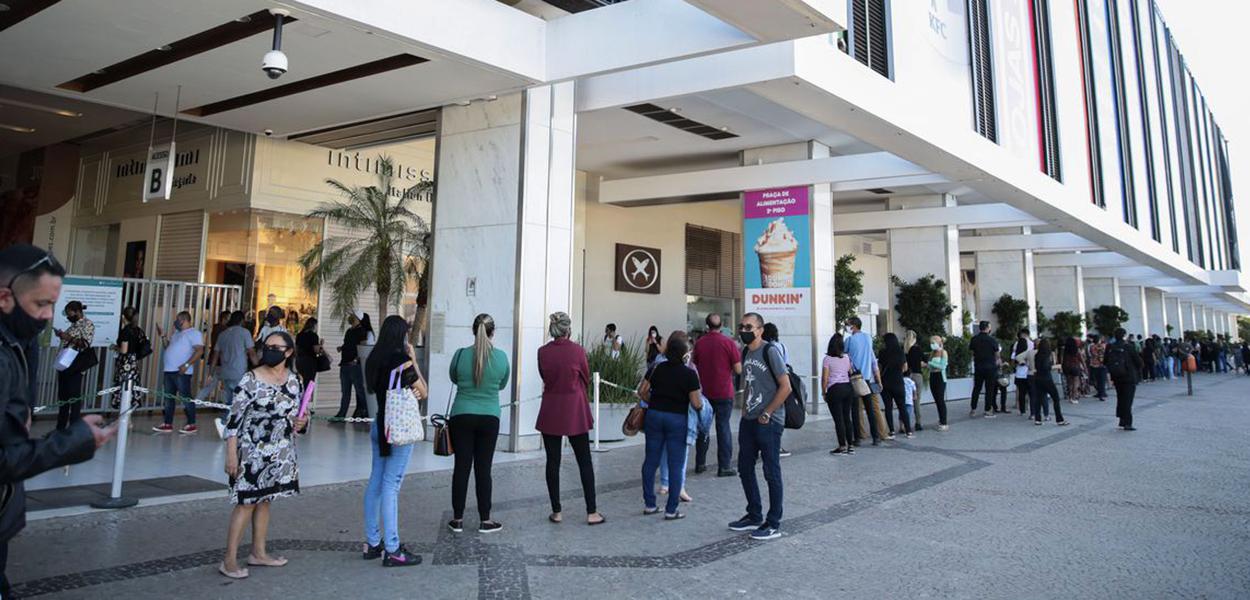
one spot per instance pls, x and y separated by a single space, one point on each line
640 162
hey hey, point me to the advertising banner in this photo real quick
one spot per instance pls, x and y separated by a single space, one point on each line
777 245
103 299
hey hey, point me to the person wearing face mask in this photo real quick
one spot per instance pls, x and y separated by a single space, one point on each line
79 335
273 324
859 347
182 350
938 361
30 283
670 389
260 450
717 360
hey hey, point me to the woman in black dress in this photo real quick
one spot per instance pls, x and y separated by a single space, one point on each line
130 343
307 347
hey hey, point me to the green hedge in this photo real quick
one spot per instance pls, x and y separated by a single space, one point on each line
625 370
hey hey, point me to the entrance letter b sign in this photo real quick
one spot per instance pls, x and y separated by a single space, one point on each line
158 176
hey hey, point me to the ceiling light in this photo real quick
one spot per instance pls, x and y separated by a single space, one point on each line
724 129
165 48
45 109
674 110
16 128
98 72
244 19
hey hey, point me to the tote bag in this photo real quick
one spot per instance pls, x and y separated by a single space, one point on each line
404 423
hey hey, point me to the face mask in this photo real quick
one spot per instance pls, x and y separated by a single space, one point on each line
272 358
933 345
747 337
21 324
73 318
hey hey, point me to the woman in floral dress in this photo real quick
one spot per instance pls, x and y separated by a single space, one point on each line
129 342
260 450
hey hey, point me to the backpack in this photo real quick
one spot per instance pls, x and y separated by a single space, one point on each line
796 411
1117 361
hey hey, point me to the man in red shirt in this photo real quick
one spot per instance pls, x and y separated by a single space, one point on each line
717 359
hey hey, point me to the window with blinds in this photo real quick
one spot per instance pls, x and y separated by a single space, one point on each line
1045 66
713 263
982 63
870 35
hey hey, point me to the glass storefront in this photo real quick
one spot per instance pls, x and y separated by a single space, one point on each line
260 251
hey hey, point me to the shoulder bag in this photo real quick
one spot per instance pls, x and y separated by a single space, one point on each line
404 423
442 430
858 384
635 419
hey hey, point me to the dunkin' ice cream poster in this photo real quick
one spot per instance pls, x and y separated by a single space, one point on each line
777 251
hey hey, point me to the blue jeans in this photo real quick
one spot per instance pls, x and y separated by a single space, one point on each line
664 469
382 493
665 431
351 378
178 384
765 441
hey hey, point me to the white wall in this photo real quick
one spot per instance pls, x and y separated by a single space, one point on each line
876 270
662 227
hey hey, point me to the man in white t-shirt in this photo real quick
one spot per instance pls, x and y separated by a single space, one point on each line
182 350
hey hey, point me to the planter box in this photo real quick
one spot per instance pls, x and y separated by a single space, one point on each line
956 389
609 419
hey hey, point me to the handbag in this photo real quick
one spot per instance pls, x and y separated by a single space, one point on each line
404 423
323 362
859 385
634 420
442 430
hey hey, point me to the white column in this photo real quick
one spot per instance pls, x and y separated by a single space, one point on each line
1189 316
1156 315
919 251
1060 289
1133 301
805 337
503 237
1005 272
1208 319
1220 323
1172 306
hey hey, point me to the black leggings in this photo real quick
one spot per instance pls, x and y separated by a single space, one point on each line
68 387
894 393
937 386
1022 394
473 438
1043 388
841 400
581 450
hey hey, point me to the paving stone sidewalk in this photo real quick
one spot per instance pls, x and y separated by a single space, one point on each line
994 508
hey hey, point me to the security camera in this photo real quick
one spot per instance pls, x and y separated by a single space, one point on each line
275 63
268 132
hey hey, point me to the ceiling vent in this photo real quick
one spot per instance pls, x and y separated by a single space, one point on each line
674 120
881 191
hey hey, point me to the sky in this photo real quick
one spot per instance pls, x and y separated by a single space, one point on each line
1211 34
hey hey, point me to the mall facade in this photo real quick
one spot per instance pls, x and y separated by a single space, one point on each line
637 162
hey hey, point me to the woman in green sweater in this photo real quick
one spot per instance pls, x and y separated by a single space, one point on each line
479 372
938 362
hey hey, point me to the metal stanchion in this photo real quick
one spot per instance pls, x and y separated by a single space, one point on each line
116 500
1189 380
594 381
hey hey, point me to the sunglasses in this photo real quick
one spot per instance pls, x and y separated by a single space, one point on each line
47 259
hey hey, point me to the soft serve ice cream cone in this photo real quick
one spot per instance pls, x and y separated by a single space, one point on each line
777 249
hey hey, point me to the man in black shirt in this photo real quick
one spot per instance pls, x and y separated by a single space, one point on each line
1124 364
350 375
985 361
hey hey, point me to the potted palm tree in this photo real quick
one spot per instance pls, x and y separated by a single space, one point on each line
390 248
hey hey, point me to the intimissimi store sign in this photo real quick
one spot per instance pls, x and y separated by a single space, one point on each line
404 177
125 171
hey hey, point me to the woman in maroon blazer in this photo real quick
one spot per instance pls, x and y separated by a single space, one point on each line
565 412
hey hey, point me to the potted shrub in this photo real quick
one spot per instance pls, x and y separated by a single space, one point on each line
924 306
1107 318
625 370
848 285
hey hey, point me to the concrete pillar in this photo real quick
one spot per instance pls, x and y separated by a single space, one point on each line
1156 316
919 251
1172 308
806 336
1200 317
503 237
1005 272
1101 291
1189 316
1220 323
1061 289
1133 301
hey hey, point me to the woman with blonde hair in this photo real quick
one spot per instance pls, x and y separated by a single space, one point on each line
938 361
479 372
915 370
565 412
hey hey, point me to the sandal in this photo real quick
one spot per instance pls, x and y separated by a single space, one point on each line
272 562
555 518
601 521
239 574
